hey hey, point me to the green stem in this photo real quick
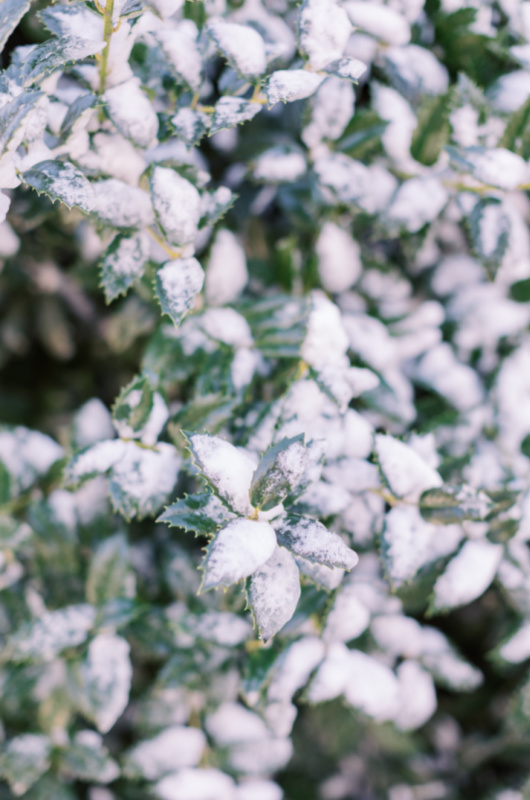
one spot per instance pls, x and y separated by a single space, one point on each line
107 34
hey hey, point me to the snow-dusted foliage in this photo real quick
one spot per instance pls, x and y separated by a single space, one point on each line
309 222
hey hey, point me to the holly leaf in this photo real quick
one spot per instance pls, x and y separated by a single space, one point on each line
279 472
123 263
232 111
273 593
11 13
177 205
453 504
55 53
238 550
202 513
60 180
13 114
24 760
177 284
228 470
109 575
44 638
310 539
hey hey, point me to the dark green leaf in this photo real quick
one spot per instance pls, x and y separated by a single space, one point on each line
109 576
133 407
279 472
60 180
452 504
55 53
202 513
432 131
123 263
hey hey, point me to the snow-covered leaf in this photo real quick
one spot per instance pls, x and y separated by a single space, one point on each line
404 470
11 14
177 205
348 616
109 575
490 229
339 258
232 111
55 53
227 274
274 592
494 166
190 126
191 784
202 513
324 29
214 206
24 760
311 540
133 407
238 550
123 263
450 504
180 49
174 748
408 543
467 575
132 113
517 648
60 180
289 85
177 284
228 470
371 687
241 45
381 21
100 683
45 638
417 696
27 455
120 205
13 114
348 68
279 472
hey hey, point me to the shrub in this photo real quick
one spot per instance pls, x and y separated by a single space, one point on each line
288 246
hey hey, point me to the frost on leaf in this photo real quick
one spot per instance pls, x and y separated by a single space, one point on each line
55 53
493 167
405 472
467 575
45 638
60 180
24 759
241 45
236 552
202 513
177 205
13 114
310 539
120 205
273 592
214 205
227 470
133 408
177 284
100 683
27 455
123 263
324 29
232 111
279 472
132 113
289 85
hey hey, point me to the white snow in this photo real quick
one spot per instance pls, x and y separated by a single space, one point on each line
274 592
324 29
468 574
228 469
290 85
417 696
226 275
132 112
196 784
177 205
174 748
121 205
241 45
405 471
381 21
372 687
339 261
238 550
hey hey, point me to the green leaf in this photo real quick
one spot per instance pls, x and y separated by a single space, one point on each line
520 292
279 472
238 550
109 575
273 592
514 133
453 504
232 111
432 131
11 12
123 263
133 407
24 760
60 180
55 53
205 412
100 684
177 284
202 513
311 540
13 114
